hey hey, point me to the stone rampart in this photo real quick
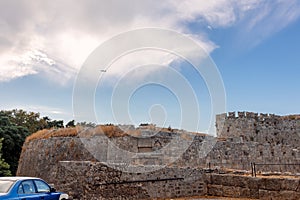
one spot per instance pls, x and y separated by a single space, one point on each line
95 181
261 138
261 128
275 188
243 138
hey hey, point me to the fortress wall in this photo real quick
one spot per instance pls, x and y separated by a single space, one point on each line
260 138
245 138
94 180
240 155
261 128
228 185
40 158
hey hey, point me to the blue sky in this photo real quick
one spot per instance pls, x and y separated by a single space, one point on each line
264 78
255 45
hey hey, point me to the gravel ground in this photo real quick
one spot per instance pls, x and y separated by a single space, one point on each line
207 197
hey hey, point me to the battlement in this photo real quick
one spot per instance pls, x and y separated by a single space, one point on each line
261 128
249 115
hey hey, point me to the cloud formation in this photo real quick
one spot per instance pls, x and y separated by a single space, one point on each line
53 38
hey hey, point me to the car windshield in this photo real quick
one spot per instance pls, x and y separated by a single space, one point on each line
5 185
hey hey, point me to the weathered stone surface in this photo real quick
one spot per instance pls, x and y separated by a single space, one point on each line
245 138
217 179
254 183
254 193
245 193
289 195
215 190
278 195
271 184
266 188
290 184
94 180
231 191
258 138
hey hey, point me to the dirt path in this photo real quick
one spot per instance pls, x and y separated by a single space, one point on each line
207 197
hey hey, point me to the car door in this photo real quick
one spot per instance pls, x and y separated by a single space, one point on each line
27 191
44 190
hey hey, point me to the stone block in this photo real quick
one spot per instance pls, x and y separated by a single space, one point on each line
231 191
245 193
254 183
291 195
215 190
241 114
271 184
144 142
269 195
254 193
217 179
222 116
233 180
290 184
231 115
276 195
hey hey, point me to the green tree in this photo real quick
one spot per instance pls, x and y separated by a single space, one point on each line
70 124
14 137
4 166
15 126
55 124
30 120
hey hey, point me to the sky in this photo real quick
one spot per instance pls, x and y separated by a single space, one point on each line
254 44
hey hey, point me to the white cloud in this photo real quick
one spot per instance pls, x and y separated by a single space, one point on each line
267 18
52 112
54 38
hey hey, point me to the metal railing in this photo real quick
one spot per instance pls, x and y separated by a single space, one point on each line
255 165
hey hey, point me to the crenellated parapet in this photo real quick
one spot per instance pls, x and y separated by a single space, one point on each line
248 115
258 127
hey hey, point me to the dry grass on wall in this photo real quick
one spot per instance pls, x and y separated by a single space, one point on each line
291 117
108 130
80 131
48 133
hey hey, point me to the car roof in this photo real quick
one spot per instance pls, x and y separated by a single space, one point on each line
16 178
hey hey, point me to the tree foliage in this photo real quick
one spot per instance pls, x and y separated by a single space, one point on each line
14 137
4 166
30 120
70 124
15 126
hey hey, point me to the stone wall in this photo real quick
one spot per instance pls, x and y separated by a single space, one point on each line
253 138
72 162
227 185
94 180
40 158
261 138
261 128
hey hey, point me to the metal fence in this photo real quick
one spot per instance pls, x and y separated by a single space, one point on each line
256 166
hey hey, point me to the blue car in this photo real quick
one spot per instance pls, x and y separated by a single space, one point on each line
27 188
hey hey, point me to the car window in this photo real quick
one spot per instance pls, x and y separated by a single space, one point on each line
26 187
20 189
41 186
5 185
